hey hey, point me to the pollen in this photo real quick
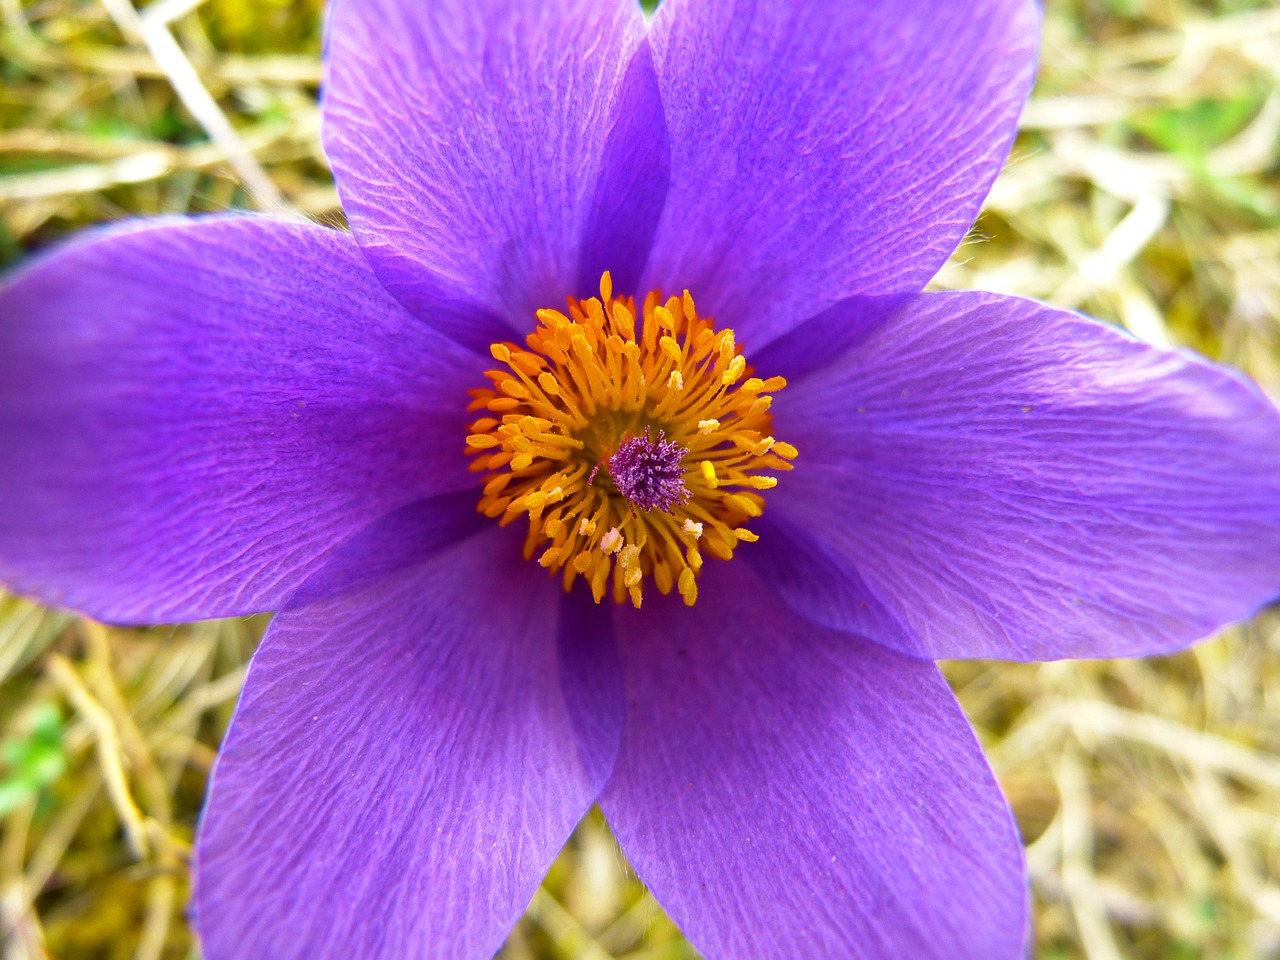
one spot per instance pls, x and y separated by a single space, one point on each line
631 442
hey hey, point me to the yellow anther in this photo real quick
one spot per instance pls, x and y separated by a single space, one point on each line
553 319
708 474
708 427
785 450
496 484
662 578
482 441
688 587
500 352
675 381
736 366
586 527
762 483
692 528
761 448
526 363
671 348
745 535
611 542
727 344
624 321
720 548
598 578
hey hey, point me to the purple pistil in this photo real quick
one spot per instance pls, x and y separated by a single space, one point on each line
649 473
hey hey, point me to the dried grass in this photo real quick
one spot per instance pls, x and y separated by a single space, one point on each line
1143 190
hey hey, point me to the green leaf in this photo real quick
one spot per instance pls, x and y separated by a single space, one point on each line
13 795
33 759
1195 128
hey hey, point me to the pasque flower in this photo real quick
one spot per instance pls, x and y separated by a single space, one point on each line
616 456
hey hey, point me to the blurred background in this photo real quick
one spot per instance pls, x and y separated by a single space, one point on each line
1144 189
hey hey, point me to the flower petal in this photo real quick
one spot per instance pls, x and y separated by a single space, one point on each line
787 791
403 767
825 149
1010 480
196 411
473 142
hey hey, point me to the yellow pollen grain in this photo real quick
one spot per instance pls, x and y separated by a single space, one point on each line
611 542
587 379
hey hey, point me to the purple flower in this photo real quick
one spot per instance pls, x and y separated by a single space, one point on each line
215 417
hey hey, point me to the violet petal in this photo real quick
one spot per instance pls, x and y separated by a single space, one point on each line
403 765
787 791
1010 480
471 143
196 411
827 149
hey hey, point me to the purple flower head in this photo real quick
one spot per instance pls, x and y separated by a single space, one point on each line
220 416
650 472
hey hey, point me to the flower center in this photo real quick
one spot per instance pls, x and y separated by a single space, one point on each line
650 473
631 447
